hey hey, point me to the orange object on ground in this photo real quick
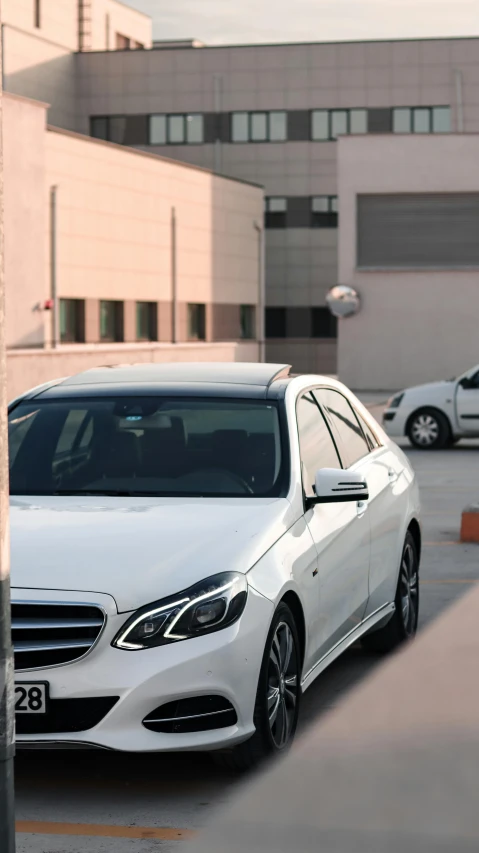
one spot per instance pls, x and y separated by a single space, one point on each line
470 524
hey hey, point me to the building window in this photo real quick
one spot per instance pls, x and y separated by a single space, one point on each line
358 121
259 126
339 123
72 321
111 320
323 324
324 211
146 321
99 127
327 125
275 322
196 322
137 45
422 120
122 42
276 209
123 130
37 13
184 129
247 322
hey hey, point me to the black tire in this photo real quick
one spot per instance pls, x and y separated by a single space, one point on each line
267 741
428 429
402 626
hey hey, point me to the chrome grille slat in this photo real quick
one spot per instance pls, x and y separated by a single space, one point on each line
20 646
47 634
54 624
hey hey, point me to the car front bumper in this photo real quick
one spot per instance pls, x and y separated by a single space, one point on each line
225 663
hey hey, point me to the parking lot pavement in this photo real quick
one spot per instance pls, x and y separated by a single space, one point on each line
136 801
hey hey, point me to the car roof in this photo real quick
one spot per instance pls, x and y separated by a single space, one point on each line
248 379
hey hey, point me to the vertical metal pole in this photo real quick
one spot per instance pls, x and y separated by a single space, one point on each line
459 102
53 264
218 93
7 711
107 32
174 294
261 293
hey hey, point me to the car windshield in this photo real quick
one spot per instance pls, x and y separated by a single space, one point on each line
146 446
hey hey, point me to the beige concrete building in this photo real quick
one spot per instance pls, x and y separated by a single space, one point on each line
273 114
409 244
267 114
112 253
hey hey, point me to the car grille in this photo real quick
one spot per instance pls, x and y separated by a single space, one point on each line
51 634
66 715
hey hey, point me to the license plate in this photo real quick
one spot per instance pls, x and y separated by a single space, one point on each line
31 697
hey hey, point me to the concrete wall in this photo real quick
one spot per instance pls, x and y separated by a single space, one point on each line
414 326
42 70
39 62
301 263
121 19
26 369
114 232
114 228
25 219
58 20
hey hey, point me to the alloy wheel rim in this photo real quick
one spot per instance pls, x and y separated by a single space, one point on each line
409 589
425 430
282 685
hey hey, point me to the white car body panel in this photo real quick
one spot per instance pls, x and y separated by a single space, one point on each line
459 405
138 550
340 560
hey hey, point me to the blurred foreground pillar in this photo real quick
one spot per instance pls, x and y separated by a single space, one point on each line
394 768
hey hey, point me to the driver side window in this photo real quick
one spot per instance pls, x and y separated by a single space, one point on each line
316 445
475 380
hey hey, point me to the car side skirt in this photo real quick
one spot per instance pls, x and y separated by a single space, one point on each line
383 614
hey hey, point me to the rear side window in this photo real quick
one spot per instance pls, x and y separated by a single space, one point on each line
315 442
346 428
371 439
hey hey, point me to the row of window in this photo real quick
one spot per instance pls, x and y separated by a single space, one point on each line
111 325
332 434
300 322
267 126
319 211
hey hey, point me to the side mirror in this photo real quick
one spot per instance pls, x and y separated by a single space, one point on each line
466 383
333 485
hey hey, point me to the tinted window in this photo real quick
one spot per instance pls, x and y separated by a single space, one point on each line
316 445
345 425
371 439
146 446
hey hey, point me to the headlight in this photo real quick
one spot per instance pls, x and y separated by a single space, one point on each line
208 606
396 401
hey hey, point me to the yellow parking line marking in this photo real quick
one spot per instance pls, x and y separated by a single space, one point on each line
455 580
163 833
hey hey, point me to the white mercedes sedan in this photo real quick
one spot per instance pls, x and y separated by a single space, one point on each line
436 415
192 545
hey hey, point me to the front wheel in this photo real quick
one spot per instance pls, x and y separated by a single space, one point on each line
429 429
403 624
277 699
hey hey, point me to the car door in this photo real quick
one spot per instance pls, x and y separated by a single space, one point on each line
467 405
387 507
340 532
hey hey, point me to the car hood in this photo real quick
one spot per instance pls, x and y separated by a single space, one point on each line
138 549
431 389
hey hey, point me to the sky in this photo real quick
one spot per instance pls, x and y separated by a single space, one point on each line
244 21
